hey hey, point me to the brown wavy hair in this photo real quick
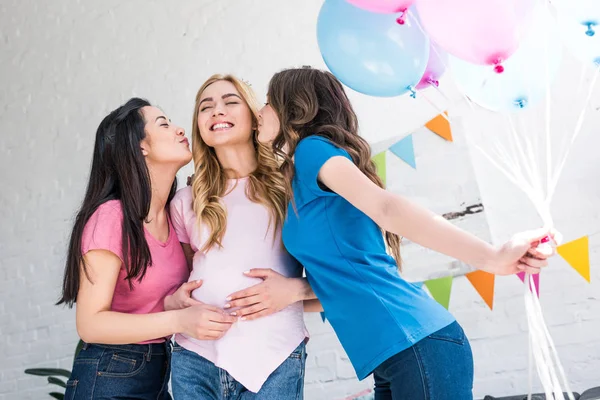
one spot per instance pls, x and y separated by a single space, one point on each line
313 102
266 184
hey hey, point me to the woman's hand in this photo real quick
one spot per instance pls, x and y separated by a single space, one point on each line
525 252
182 298
204 322
273 294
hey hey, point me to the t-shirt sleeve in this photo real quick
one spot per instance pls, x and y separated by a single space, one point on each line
310 155
103 230
178 215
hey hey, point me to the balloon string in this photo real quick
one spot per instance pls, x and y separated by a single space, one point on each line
548 116
578 127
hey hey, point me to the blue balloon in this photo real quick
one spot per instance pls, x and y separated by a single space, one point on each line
369 52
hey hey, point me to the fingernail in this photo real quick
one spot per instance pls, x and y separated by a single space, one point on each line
228 299
243 318
247 272
233 314
227 306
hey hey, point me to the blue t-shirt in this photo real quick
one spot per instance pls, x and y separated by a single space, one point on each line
373 310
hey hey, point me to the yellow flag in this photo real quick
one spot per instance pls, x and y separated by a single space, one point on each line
577 254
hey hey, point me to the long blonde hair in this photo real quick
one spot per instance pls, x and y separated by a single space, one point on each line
266 184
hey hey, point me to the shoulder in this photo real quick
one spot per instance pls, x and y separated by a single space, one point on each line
313 151
182 199
315 142
103 229
183 196
108 212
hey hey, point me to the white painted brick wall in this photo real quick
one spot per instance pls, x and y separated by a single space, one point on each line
65 64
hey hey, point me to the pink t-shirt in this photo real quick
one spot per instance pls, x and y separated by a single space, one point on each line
251 350
167 272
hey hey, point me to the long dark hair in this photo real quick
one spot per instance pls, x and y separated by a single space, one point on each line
119 172
313 102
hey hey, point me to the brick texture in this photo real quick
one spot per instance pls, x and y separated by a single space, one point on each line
65 64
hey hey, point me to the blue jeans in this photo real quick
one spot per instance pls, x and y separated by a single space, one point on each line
130 371
439 367
194 377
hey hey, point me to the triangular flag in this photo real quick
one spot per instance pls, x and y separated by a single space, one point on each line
405 151
536 281
379 161
440 126
577 254
483 282
440 290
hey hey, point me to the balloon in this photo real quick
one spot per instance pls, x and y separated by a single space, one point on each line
584 47
529 72
383 6
580 27
479 31
436 66
584 12
371 53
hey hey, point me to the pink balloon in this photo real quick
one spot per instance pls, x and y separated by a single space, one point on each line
436 66
478 31
383 6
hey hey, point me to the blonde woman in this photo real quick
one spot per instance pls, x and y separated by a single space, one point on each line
229 222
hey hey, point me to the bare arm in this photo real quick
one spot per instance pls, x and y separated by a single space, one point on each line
97 324
399 215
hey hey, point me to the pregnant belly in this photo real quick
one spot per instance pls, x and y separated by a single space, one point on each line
218 284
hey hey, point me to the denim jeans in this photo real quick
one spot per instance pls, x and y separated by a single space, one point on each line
439 367
194 377
131 371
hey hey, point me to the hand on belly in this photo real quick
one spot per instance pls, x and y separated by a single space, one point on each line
216 287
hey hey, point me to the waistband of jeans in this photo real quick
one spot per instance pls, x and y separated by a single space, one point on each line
150 348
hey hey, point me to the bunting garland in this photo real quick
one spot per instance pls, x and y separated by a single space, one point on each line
440 126
536 281
577 254
483 282
379 161
405 150
440 289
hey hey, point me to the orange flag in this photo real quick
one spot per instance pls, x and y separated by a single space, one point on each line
440 126
577 254
483 282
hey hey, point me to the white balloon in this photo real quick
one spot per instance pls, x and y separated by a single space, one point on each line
583 43
583 12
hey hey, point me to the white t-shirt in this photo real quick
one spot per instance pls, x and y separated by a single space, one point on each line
251 350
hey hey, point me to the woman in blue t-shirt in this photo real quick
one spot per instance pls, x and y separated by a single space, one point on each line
338 211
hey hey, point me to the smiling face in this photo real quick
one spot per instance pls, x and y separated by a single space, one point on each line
224 118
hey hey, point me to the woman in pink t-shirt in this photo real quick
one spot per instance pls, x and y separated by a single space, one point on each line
229 222
124 258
